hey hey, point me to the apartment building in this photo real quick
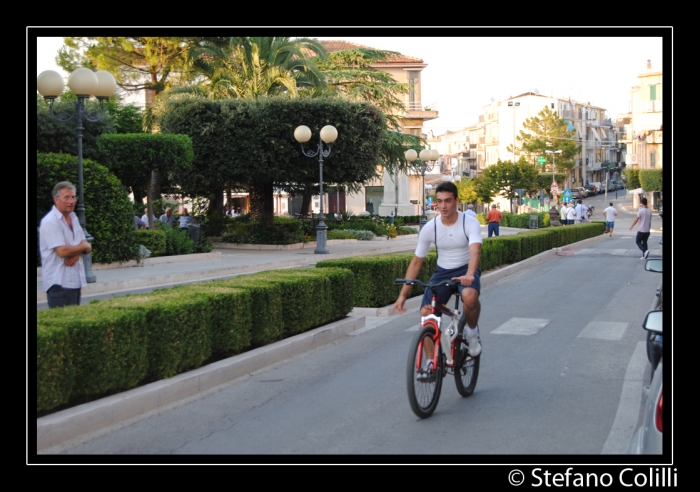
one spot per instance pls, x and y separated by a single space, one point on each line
643 134
387 195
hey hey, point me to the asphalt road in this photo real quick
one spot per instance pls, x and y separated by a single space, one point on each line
562 372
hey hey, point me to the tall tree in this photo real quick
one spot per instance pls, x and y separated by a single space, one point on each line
133 157
548 131
505 177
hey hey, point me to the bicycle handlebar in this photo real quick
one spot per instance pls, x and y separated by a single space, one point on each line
412 281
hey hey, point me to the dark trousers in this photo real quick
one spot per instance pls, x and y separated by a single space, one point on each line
642 238
493 228
57 296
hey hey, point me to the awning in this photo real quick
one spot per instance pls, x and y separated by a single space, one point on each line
638 191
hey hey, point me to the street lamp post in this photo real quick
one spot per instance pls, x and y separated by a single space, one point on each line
514 104
84 83
328 134
553 153
426 155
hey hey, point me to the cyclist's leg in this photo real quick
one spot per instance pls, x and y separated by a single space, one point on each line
470 300
443 296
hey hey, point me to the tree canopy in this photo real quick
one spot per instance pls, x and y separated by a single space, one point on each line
547 131
505 177
252 143
133 157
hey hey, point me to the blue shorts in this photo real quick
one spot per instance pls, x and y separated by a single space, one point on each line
610 225
444 293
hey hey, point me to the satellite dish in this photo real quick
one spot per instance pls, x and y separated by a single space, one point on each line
492 99
537 91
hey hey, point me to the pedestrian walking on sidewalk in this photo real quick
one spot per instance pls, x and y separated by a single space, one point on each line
644 219
610 214
494 219
62 245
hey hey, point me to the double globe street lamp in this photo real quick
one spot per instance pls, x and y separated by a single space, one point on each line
426 155
84 83
302 134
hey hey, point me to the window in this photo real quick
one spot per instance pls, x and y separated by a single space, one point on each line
552 105
652 92
413 78
652 159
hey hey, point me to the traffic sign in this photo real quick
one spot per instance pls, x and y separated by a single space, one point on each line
567 196
555 188
546 199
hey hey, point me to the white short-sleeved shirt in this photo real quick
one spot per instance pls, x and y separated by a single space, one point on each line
581 210
452 241
571 214
54 232
471 212
610 214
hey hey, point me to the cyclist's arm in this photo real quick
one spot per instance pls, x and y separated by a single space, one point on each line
412 273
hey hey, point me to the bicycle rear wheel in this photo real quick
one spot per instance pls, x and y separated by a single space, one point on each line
423 385
466 369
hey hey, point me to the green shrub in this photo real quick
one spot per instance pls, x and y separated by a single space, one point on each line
362 235
106 353
374 276
285 230
177 242
153 239
340 234
651 179
179 330
109 214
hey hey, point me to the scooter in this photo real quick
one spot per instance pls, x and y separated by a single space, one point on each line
591 208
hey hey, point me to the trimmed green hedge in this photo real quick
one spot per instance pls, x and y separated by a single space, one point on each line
91 351
374 275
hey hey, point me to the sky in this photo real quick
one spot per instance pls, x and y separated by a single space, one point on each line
464 73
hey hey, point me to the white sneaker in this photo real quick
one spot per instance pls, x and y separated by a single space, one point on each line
646 253
474 344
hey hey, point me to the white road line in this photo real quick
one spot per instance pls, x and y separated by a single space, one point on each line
627 414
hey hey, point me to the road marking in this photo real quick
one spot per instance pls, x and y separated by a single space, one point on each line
521 326
625 421
603 330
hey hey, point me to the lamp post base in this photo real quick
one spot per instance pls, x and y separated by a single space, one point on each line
423 221
321 247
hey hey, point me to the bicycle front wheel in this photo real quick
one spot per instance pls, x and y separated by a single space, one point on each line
466 369
423 381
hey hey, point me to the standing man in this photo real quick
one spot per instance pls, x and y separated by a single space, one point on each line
494 219
644 219
168 217
610 214
457 238
564 210
62 244
581 211
470 210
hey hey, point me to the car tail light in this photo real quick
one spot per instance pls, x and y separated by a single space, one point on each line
658 417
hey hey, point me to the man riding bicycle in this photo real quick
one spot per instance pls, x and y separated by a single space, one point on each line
457 238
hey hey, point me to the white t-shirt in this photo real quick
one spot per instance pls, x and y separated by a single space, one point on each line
570 214
452 241
471 212
564 210
610 214
580 211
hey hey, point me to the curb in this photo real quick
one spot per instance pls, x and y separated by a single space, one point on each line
72 423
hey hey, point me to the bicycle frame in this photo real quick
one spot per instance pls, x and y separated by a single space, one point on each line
453 336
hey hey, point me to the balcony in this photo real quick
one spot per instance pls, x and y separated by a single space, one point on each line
492 140
417 110
651 106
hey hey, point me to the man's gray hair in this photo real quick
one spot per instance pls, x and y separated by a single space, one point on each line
62 186
470 206
168 208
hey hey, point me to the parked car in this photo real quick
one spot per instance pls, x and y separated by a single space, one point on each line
583 192
575 194
598 187
619 185
648 439
655 341
592 191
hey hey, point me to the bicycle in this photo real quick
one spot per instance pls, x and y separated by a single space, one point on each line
424 374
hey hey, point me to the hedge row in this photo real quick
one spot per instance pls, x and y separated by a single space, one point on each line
91 351
374 275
